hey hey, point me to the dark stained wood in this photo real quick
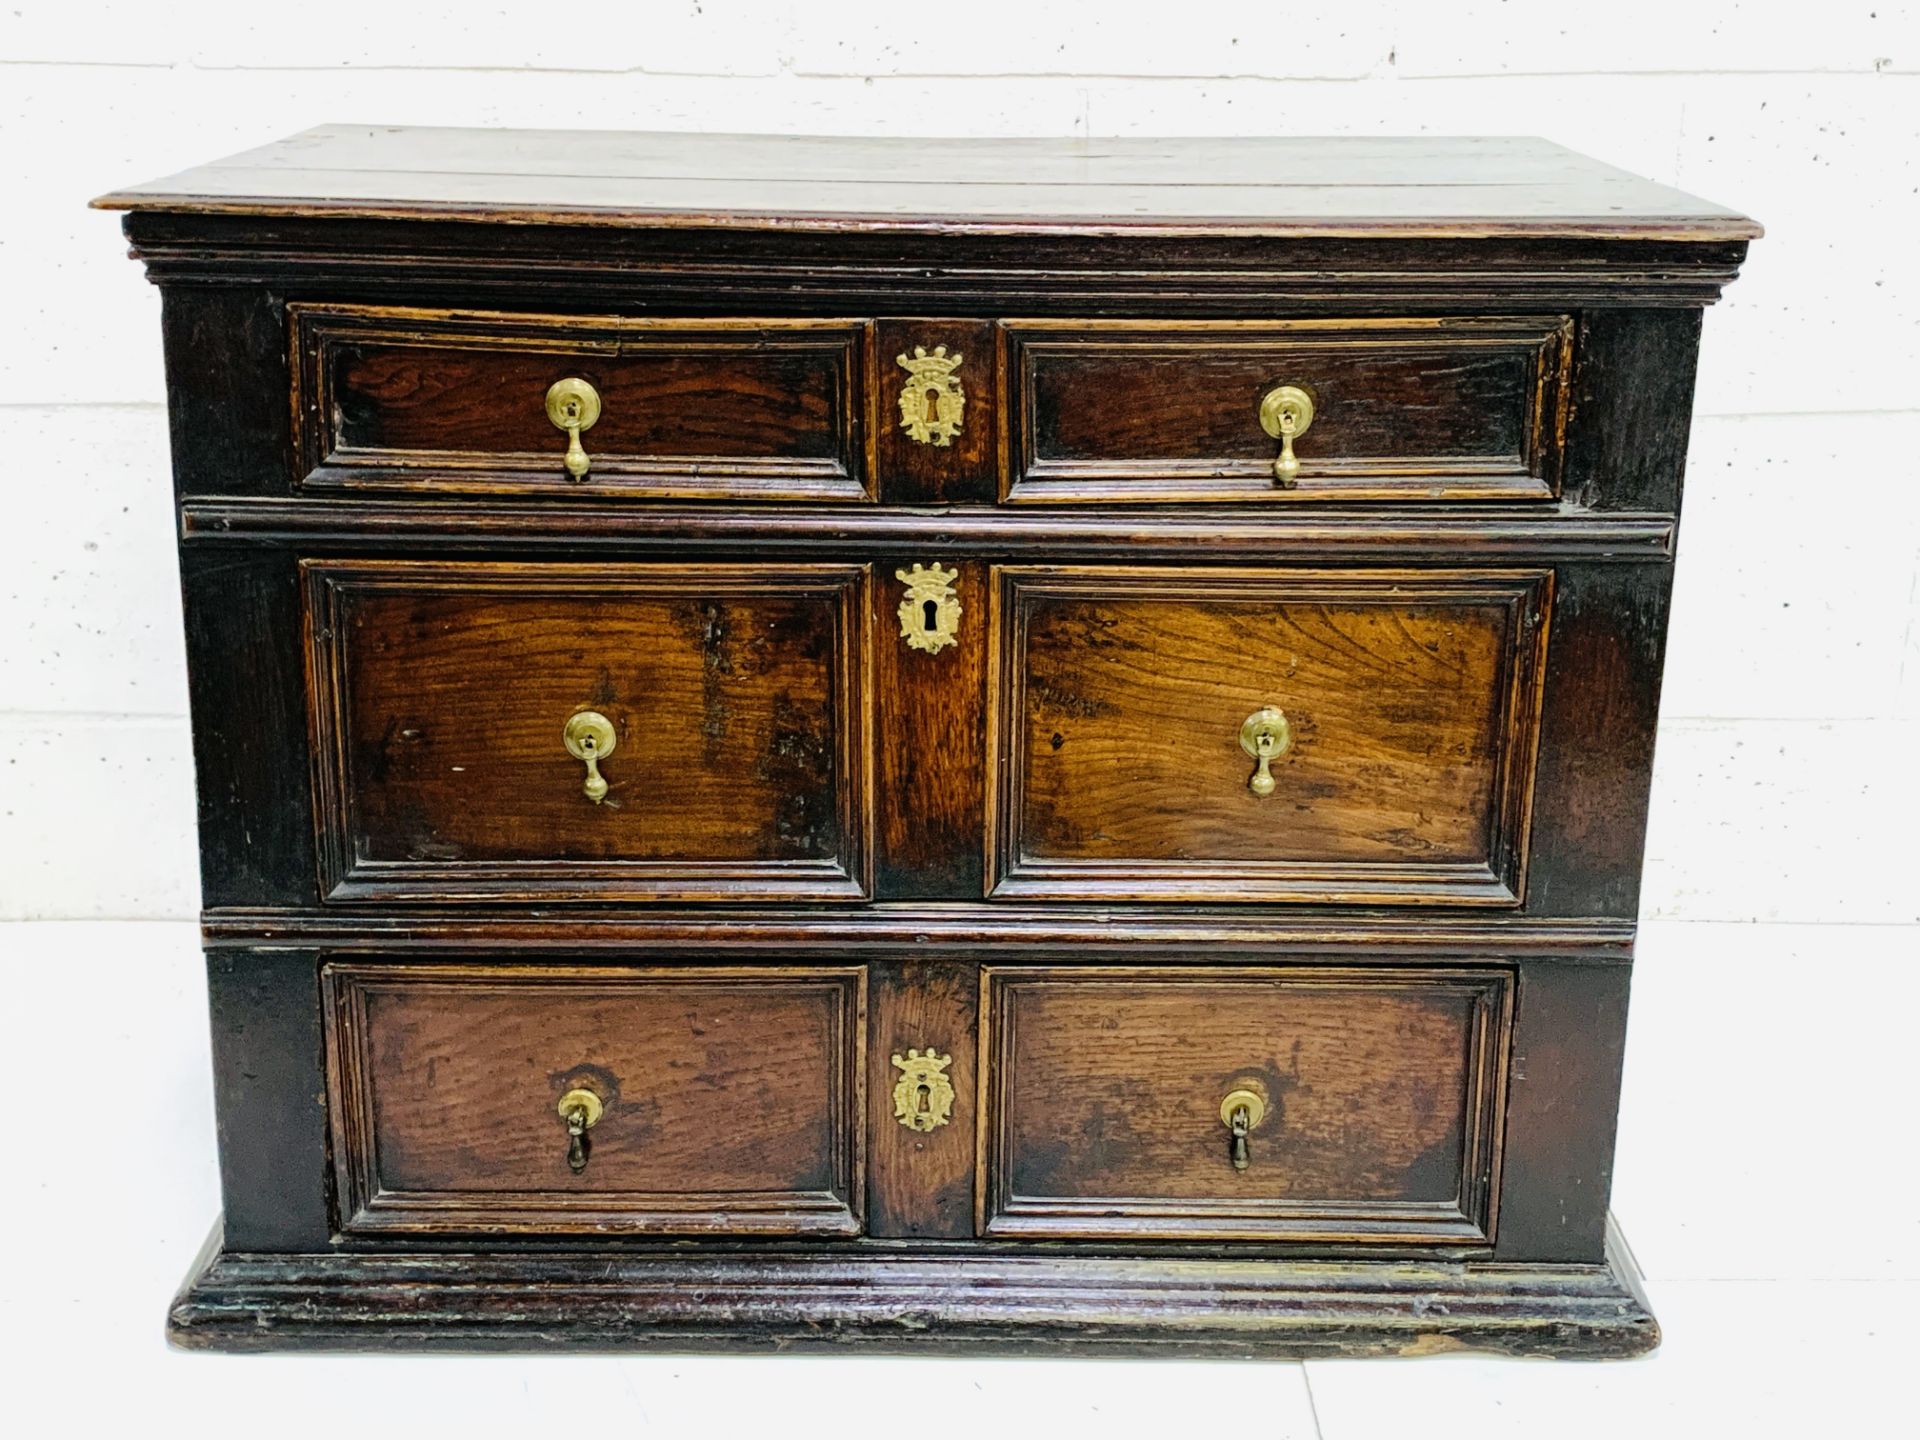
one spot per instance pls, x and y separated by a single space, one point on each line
1081 934
1541 535
920 1183
1503 337
733 1099
269 1084
992 1303
395 398
227 386
967 468
1563 1103
1359 185
1627 438
1435 409
1101 1116
1595 777
699 271
737 694
1411 698
246 685
930 772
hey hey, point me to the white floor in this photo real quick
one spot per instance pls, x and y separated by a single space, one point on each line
1771 1200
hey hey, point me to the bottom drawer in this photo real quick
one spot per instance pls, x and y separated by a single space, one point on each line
710 1101
1370 1101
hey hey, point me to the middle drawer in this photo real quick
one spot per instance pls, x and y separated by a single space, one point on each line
1265 735
490 731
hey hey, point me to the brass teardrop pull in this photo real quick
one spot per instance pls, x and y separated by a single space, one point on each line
1265 735
590 737
1241 1112
573 405
1286 412
581 1111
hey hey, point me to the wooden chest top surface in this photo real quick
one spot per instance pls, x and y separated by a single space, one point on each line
1294 186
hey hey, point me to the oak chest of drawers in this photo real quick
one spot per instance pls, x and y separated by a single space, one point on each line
996 744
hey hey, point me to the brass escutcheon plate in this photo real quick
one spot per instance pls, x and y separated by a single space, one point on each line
923 1097
933 402
930 613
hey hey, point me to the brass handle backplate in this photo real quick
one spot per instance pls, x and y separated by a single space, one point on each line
581 1111
573 405
589 736
1241 1112
1265 735
923 1096
1286 413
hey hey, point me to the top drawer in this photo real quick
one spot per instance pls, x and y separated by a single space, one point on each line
1408 409
396 399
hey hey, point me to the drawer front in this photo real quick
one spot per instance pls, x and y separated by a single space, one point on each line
450 401
443 695
1419 409
1371 1101
1402 710
723 1101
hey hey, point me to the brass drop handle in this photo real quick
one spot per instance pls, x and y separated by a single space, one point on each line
589 737
581 1110
1265 735
1286 412
1241 1112
573 405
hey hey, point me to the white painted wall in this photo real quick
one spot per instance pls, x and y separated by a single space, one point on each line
1787 776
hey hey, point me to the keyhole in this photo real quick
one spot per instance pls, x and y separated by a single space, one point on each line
930 611
923 1099
933 406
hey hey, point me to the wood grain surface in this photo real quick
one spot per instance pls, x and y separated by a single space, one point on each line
1411 700
1102 1103
1419 946
732 1099
1410 409
393 398
1356 185
736 693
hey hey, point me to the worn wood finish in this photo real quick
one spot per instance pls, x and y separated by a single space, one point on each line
988 1304
733 1100
1411 697
1439 409
391 398
1091 934
247 688
1569 1034
1429 926
738 695
1362 185
931 767
920 1183
1339 536
966 469
1101 1115
269 1073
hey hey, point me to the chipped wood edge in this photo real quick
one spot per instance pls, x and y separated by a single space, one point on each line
900 1299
